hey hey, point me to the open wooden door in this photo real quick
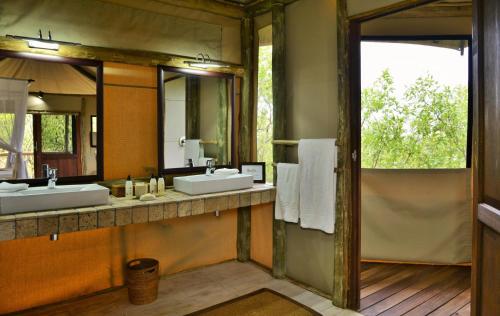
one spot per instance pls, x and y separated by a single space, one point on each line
486 253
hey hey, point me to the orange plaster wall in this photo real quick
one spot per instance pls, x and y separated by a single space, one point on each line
130 133
37 271
261 237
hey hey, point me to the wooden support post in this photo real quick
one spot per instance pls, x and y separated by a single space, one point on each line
346 237
246 110
244 229
222 122
279 127
246 122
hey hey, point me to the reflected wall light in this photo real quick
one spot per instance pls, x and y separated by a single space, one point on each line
204 61
40 42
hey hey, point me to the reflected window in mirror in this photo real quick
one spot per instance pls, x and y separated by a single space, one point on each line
46 111
196 120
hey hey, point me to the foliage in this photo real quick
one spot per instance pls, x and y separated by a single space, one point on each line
426 128
57 133
265 111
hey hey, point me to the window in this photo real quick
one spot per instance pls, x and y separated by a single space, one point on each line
415 103
265 110
57 133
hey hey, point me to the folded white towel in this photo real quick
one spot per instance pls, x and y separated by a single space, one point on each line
317 159
6 187
226 171
287 192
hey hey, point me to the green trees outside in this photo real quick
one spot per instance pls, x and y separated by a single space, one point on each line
265 110
57 134
426 128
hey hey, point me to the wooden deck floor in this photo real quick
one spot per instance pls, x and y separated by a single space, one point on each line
416 290
190 291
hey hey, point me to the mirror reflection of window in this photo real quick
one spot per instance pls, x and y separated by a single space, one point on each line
197 120
59 102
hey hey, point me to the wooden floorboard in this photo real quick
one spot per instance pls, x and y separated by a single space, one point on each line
405 289
190 291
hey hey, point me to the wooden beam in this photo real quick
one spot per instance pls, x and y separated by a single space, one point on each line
388 10
244 231
279 127
84 72
260 7
165 6
126 56
435 11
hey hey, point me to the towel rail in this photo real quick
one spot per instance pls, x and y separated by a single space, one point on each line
285 142
208 142
290 142
336 170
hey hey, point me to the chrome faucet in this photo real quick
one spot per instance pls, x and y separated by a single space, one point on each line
52 178
210 167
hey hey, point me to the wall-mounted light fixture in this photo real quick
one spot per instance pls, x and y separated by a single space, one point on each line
204 61
40 95
41 42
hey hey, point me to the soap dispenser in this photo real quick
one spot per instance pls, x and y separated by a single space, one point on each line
161 186
129 188
152 184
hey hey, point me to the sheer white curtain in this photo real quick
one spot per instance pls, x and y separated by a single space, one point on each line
13 104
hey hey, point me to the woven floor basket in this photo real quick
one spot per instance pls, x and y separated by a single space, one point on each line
142 280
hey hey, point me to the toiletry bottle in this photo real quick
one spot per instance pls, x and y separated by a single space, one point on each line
129 188
152 184
161 186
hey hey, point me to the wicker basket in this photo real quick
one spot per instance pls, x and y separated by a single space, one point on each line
142 280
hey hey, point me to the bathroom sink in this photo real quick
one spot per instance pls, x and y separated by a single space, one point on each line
43 198
201 184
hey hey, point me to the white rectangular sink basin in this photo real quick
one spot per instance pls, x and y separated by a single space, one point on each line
202 184
62 196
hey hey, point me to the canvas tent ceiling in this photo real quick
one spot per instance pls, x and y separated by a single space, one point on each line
53 78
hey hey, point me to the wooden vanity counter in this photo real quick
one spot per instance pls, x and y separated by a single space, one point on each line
121 212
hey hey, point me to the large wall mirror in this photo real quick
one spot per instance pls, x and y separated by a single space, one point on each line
47 106
195 121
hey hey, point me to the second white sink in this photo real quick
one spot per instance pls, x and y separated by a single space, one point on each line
202 184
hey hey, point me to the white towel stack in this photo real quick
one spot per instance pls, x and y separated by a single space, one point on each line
308 190
226 171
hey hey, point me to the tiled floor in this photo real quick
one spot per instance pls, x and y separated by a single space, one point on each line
190 291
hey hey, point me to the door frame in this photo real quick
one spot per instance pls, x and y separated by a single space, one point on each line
349 40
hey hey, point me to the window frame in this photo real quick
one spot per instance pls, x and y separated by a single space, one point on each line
470 113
